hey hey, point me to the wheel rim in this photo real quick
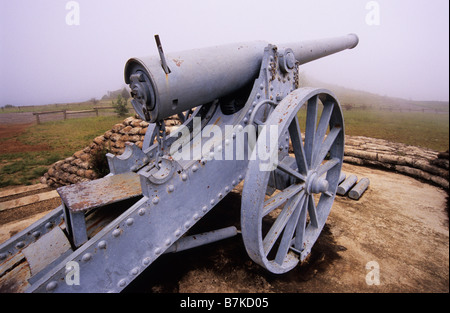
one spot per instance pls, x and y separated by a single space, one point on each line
280 231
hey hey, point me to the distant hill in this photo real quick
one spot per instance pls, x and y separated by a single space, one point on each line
363 99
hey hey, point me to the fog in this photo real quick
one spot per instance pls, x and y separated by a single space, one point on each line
56 51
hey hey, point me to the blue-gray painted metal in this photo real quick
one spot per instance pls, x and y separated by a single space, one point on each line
198 240
119 252
293 204
198 76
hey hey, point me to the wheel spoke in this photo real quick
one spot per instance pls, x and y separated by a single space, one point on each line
288 232
322 128
301 227
310 131
277 227
327 166
312 211
280 198
326 146
297 145
291 172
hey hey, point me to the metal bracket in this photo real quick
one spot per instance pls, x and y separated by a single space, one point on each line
161 55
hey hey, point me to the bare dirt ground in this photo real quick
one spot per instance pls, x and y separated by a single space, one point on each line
399 223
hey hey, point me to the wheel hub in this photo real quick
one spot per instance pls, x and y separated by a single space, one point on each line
316 184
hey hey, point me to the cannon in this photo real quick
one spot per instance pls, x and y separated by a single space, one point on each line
245 118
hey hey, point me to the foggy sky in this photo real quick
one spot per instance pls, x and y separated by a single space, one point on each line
403 49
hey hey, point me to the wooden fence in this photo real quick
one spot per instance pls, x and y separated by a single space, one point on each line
67 112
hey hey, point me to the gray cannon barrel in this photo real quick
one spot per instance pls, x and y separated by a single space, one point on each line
177 82
307 51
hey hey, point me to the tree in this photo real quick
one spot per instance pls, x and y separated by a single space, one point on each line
125 94
120 106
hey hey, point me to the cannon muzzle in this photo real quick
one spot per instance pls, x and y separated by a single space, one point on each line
164 85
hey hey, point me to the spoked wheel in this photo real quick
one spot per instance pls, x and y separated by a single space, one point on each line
279 230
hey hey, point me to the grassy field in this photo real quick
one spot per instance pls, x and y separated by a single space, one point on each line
63 138
428 130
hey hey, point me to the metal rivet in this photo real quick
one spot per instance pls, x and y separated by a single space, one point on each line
219 148
258 96
211 155
141 211
196 216
187 225
86 257
203 161
20 245
234 135
233 183
102 244
177 233
245 120
48 225
240 128
204 209
212 201
69 269
122 283
146 261
261 86
155 200
220 195
130 221
134 271
227 142
36 234
168 242
158 251
170 188
116 233
2 256
195 168
240 177
183 176
51 286
227 189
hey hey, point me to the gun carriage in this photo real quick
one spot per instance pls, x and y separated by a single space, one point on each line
240 106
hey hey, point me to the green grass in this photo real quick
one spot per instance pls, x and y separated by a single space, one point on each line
428 130
63 137
422 129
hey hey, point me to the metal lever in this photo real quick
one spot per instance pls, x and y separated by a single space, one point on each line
161 55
